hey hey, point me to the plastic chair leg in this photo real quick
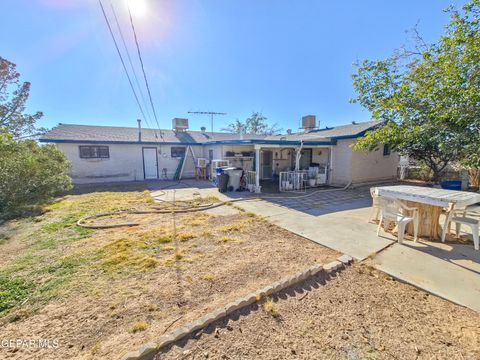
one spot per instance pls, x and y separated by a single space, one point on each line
415 228
475 236
401 231
379 225
457 229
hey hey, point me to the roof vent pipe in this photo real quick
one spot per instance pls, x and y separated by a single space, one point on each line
139 130
203 129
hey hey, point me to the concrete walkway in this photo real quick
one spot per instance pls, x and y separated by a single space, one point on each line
339 220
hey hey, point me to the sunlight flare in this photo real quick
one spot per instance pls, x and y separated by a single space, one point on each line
138 8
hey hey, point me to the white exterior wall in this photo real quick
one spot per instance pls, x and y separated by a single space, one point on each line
124 164
360 167
217 151
374 166
341 169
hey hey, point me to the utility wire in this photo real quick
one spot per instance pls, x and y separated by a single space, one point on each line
143 68
144 102
121 59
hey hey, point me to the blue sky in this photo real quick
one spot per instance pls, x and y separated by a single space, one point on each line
283 58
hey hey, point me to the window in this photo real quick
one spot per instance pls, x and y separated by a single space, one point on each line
386 150
177 151
210 154
94 152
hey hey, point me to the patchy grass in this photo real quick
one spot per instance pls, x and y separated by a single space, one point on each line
100 282
225 239
138 326
237 226
13 291
127 253
209 278
184 236
270 307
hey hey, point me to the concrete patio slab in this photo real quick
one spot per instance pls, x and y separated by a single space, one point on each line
422 266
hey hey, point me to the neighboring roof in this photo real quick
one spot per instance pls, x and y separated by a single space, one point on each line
70 133
338 132
94 133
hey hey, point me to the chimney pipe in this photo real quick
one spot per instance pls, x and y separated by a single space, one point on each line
139 130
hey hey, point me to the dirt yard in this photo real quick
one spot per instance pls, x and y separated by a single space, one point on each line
101 293
359 314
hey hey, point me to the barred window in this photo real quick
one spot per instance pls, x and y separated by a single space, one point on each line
177 151
94 152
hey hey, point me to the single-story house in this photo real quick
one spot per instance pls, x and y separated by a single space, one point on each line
108 153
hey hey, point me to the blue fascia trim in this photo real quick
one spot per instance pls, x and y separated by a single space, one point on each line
268 142
220 142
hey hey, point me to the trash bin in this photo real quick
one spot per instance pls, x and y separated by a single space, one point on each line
223 182
235 175
451 185
218 171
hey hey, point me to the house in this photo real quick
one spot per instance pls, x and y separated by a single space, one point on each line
107 153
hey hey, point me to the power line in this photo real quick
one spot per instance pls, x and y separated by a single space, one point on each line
121 59
131 63
143 68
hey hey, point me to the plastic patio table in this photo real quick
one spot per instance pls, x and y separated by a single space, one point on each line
430 203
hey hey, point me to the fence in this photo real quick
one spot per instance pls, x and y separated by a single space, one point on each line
293 181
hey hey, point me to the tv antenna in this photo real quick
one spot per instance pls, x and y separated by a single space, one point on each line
211 113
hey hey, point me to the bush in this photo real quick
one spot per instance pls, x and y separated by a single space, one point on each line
29 174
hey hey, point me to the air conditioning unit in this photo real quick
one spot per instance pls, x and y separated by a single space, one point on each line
216 164
309 122
180 124
201 163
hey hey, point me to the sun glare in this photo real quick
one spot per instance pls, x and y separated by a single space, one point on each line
138 8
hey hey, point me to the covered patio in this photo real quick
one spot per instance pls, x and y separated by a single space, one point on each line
295 167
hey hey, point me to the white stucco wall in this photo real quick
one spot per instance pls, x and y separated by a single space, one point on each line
124 164
374 166
341 169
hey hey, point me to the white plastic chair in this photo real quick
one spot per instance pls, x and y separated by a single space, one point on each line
375 206
390 210
459 217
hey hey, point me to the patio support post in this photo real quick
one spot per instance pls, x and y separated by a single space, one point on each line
257 170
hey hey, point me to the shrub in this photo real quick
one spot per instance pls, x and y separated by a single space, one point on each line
29 174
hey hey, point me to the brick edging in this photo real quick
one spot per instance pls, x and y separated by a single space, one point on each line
149 350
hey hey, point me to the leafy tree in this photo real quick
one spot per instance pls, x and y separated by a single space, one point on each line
13 96
255 124
429 95
29 173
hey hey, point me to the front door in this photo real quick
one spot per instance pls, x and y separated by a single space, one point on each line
150 163
266 164
305 159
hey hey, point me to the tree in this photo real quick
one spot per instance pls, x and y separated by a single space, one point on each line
429 95
13 96
29 173
255 124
